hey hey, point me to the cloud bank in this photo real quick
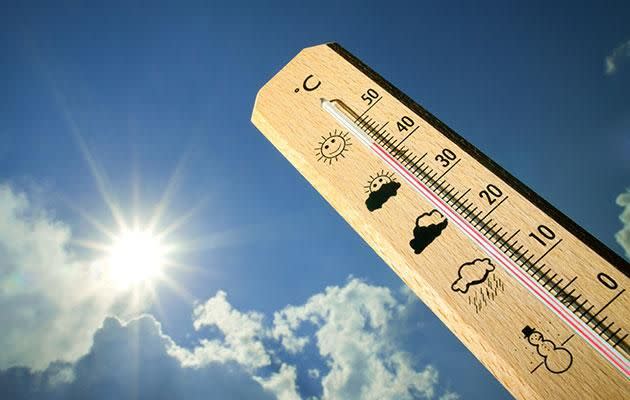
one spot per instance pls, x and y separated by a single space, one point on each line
129 361
352 334
349 328
616 58
623 236
51 303
242 336
59 339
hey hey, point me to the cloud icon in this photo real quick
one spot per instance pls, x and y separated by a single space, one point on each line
472 273
428 226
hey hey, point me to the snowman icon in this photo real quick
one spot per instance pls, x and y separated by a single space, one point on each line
556 359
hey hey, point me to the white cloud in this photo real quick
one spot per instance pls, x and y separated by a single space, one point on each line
61 376
51 302
353 337
449 396
613 61
242 336
282 383
128 360
242 342
623 236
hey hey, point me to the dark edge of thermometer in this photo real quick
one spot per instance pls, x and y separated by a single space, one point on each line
597 246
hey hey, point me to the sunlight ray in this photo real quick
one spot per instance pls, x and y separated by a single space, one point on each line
133 259
93 245
90 219
155 300
135 196
175 225
212 241
178 290
100 180
175 265
168 192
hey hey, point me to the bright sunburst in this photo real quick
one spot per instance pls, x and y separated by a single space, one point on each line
136 257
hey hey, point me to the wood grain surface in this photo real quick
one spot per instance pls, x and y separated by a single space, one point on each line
532 350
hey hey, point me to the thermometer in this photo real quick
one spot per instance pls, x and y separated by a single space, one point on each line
538 300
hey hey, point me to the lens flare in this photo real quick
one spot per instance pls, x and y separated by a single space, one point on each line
136 257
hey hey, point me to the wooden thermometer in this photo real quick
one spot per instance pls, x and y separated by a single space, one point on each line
542 303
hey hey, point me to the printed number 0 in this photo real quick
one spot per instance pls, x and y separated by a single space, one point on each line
405 123
369 96
491 193
607 281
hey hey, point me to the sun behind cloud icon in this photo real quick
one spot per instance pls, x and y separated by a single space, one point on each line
333 146
380 188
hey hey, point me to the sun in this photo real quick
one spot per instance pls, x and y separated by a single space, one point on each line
136 257
333 146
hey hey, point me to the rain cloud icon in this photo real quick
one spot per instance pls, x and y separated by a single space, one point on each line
472 273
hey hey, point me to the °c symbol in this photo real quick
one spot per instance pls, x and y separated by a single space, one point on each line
310 83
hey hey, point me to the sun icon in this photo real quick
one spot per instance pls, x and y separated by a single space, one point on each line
333 146
377 182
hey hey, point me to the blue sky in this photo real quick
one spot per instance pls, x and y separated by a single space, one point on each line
271 279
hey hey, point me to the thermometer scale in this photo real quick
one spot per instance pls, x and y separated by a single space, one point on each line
539 301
